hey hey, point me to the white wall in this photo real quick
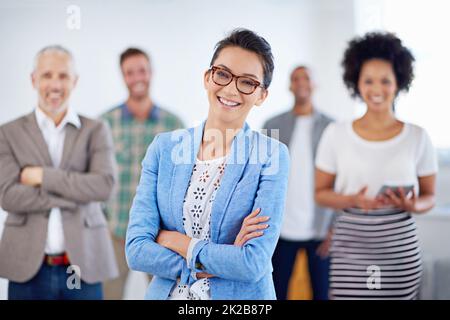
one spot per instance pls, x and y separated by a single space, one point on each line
180 36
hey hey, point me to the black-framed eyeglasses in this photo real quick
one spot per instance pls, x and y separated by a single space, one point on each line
244 85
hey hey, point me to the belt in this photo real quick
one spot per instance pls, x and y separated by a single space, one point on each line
57 260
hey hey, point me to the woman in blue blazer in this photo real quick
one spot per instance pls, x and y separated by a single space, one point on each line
226 251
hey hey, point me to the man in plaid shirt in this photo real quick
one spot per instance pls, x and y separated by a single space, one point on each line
134 124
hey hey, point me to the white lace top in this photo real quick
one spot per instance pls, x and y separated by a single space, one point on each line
202 189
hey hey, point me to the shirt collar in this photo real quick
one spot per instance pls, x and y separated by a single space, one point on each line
70 117
153 115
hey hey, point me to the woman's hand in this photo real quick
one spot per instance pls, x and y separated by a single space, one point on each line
360 200
326 196
323 250
401 200
251 228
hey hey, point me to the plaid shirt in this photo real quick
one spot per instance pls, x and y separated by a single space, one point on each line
131 139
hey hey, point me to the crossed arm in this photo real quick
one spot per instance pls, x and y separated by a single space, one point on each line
251 261
162 253
36 189
252 227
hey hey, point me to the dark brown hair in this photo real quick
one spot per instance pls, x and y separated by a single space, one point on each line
132 52
249 40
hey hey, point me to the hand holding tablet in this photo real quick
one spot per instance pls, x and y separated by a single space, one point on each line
396 189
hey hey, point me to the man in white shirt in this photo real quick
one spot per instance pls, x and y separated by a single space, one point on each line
56 168
305 225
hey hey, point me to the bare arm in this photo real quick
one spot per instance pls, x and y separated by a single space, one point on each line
427 199
327 197
415 204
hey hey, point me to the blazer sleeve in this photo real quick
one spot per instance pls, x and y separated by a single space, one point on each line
96 184
142 251
18 198
253 260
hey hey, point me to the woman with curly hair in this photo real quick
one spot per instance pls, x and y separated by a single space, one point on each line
375 252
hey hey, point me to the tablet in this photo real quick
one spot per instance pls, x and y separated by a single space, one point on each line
395 189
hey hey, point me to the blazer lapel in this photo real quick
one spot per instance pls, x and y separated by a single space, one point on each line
69 144
236 163
35 134
186 153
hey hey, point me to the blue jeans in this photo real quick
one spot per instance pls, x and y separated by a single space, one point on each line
283 262
50 283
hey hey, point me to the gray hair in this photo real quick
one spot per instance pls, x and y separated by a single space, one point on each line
54 49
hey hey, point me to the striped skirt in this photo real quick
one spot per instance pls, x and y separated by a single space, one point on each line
375 255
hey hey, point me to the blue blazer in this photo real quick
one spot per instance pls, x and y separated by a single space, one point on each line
256 176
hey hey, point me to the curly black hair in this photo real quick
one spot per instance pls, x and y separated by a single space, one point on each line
377 45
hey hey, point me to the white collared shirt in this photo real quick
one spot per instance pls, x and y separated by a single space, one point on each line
54 136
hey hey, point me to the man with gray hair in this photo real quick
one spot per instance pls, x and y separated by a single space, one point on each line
56 168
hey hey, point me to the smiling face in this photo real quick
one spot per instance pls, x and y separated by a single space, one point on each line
377 85
54 79
301 85
226 104
137 74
